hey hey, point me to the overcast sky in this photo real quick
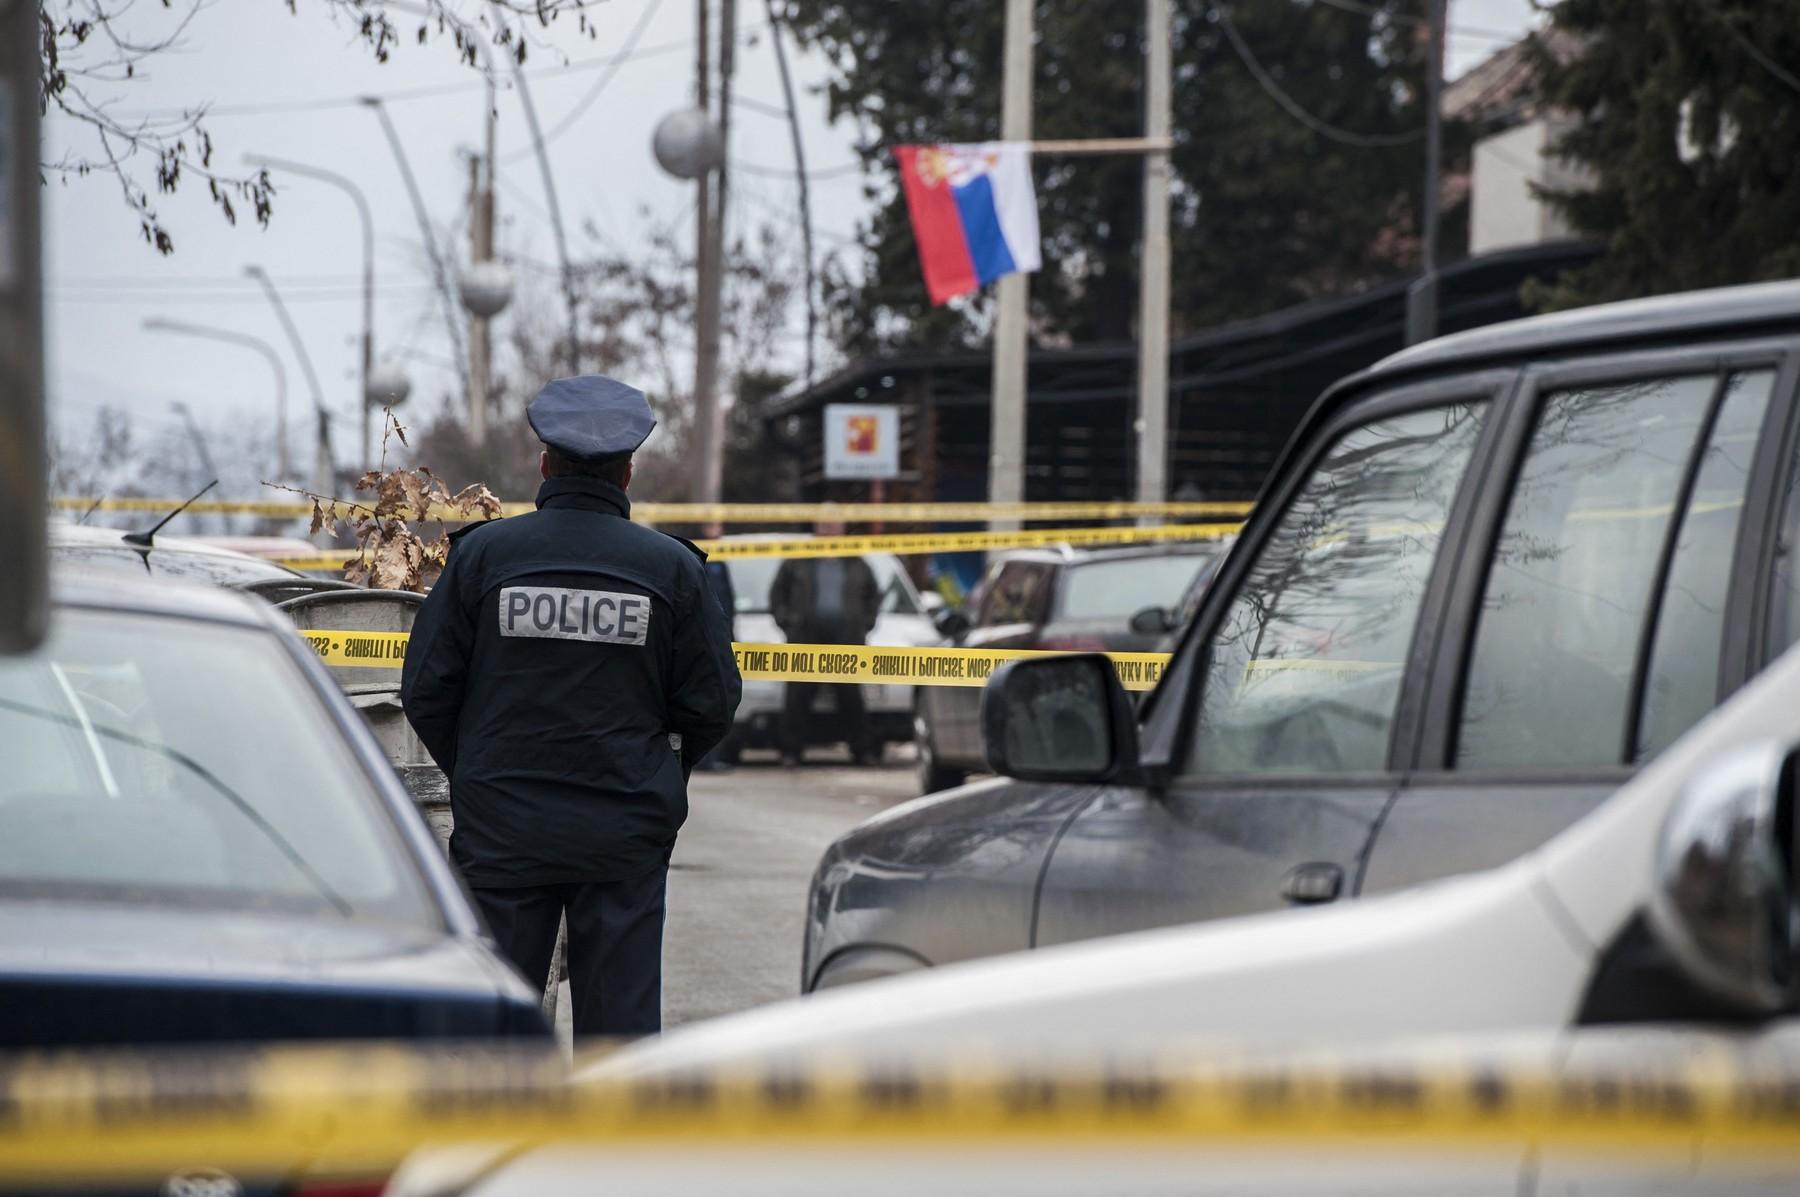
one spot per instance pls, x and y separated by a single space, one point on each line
286 86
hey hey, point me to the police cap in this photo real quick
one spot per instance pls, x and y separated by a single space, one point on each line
591 417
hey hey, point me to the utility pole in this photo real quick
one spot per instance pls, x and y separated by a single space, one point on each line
481 250
709 421
24 586
1153 290
806 223
1006 461
1422 296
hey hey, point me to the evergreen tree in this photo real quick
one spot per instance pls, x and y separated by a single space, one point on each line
1687 117
1267 211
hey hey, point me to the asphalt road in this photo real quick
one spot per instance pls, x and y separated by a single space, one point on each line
737 886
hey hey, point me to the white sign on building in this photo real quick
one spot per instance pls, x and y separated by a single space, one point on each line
862 440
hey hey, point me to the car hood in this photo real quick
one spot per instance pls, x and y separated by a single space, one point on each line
89 973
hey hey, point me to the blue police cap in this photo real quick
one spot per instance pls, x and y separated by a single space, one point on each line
591 417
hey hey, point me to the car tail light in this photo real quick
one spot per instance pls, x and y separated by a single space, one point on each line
1072 644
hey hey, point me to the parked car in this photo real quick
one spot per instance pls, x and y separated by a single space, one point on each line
201 841
76 546
1654 940
905 621
1114 600
1490 577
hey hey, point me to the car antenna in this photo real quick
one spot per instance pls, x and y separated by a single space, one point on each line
95 506
145 539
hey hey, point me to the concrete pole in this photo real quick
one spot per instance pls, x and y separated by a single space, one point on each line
708 412
1422 296
1153 293
24 567
1006 462
806 222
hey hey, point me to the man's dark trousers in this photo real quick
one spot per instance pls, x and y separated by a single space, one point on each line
615 946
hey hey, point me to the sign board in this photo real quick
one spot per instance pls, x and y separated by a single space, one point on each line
862 440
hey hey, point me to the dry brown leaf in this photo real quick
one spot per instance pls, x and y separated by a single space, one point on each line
399 430
318 519
477 498
397 562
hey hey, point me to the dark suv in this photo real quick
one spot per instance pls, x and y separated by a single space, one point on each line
1489 578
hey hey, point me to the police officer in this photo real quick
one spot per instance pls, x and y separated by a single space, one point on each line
565 671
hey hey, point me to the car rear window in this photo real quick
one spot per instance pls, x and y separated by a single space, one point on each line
1121 587
168 761
753 577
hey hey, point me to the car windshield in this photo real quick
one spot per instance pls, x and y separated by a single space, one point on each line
167 761
751 578
1120 587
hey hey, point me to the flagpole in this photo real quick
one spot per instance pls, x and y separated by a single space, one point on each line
1006 460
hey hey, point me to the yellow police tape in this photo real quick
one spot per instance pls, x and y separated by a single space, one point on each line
845 664
360 1110
739 549
737 513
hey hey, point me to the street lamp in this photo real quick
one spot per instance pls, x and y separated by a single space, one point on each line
322 472
184 328
440 273
355 193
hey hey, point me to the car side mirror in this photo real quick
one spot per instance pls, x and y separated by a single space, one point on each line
1153 621
1725 900
1063 718
951 623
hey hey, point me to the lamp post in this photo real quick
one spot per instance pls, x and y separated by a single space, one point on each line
183 328
361 201
322 472
440 273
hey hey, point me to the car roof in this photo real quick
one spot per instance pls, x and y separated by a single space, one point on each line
1686 314
156 596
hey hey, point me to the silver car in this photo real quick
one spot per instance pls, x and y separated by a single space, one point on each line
905 621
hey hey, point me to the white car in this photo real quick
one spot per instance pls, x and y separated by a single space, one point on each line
1656 938
905 621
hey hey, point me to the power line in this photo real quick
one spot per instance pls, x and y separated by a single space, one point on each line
401 95
1764 60
1293 108
593 93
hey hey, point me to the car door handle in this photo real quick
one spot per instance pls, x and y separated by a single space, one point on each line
1311 884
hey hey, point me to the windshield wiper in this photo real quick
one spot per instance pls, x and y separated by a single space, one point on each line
230 795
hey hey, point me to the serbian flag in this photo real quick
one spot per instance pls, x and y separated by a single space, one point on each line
973 212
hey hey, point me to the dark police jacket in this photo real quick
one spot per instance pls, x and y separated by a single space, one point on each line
547 672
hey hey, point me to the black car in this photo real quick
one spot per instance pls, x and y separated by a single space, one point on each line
200 841
1489 578
1078 600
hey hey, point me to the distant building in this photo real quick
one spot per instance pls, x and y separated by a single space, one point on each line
1509 155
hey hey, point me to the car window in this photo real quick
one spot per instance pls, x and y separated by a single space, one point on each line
1682 681
1573 576
1020 593
177 762
1304 672
1120 587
